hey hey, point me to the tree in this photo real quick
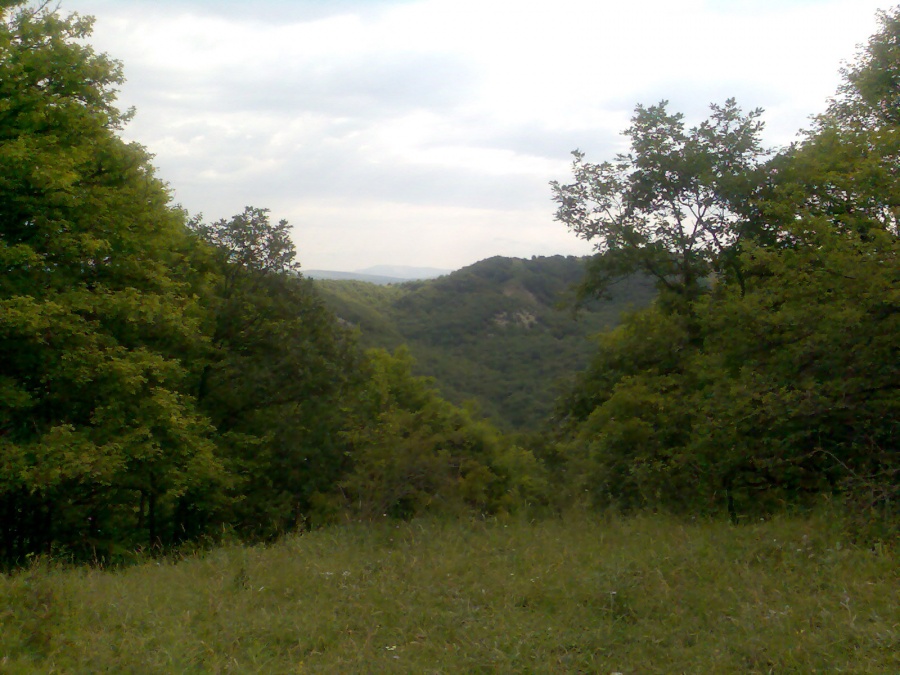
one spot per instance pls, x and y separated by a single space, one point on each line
250 242
671 207
411 451
781 381
808 396
869 96
799 376
98 431
625 423
276 375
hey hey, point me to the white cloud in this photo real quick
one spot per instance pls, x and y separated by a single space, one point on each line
445 237
425 132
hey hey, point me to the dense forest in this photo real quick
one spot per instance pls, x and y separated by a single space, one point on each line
502 334
164 379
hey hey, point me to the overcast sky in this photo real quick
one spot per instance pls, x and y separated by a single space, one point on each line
425 132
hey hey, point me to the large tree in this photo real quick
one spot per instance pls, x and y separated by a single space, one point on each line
98 432
275 375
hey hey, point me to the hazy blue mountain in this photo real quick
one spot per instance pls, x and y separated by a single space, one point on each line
353 276
380 274
405 272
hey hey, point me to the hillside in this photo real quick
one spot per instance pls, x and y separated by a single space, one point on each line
493 332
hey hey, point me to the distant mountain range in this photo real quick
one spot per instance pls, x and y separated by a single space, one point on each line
381 274
492 332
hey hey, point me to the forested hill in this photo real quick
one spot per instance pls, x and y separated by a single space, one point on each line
165 381
493 332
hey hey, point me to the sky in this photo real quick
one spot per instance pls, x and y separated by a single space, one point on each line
426 132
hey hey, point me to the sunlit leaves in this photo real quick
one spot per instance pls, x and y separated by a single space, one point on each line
99 430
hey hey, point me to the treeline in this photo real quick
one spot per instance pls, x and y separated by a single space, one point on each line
768 371
163 378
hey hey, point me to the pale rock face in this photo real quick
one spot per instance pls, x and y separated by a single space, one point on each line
520 318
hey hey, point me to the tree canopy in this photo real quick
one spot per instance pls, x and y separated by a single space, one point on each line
671 207
95 313
776 376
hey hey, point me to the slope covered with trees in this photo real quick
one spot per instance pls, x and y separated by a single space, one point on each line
495 332
163 378
769 368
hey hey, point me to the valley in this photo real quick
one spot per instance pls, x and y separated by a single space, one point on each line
502 333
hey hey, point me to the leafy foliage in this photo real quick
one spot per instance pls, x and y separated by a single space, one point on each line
159 377
411 452
868 96
274 376
98 432
803 371
780 380
671 207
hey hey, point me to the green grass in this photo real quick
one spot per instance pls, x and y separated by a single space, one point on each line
584 594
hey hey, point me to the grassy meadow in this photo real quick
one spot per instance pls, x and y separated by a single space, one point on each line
583 594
